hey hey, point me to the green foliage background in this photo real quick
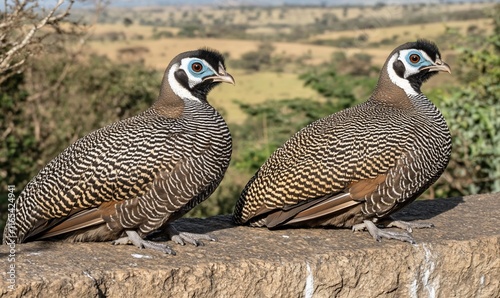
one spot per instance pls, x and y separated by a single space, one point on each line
38 122
473 114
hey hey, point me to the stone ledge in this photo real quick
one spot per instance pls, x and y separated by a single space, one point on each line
458 258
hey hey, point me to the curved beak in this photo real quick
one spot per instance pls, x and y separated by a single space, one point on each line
439 65
225 78
222 76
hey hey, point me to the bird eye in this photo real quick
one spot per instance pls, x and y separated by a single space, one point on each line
196 67
414 58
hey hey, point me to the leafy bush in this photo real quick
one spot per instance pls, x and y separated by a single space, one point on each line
162 34
346 80
18 154
343 42
255 60
473 114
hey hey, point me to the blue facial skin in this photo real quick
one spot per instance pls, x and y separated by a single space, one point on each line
423 62
205 71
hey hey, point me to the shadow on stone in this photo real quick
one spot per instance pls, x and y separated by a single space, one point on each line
197 225
427 209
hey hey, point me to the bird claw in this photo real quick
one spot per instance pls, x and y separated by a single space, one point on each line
378 234
121 241
358 227
157 246
403 236
184 237
409 226
134 238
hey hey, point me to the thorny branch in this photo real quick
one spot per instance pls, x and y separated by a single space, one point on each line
36 97
13 53
75 53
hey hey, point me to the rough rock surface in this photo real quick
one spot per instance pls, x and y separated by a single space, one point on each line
460 257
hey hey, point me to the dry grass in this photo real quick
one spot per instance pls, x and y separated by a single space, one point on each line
282 16
162 50
409 32
252 88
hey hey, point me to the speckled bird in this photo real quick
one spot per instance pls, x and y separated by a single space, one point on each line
136 176
356 167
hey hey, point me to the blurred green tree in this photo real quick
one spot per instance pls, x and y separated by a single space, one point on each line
473 114
258 59
18 154
345 80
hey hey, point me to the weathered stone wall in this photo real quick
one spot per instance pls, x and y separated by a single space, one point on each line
460 257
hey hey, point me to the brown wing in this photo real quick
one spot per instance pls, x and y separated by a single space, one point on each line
78 219
325 206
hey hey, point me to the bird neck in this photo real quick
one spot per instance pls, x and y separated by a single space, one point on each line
388 93
168 103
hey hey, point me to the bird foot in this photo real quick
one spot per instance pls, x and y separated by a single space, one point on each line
378 234
121 241
134 238
184 237
409 226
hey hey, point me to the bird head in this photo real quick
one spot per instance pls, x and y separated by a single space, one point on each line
191 75
411 64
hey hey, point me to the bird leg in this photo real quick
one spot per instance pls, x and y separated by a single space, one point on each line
183 237
134 238
378 234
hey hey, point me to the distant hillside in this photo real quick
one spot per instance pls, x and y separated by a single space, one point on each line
132 3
